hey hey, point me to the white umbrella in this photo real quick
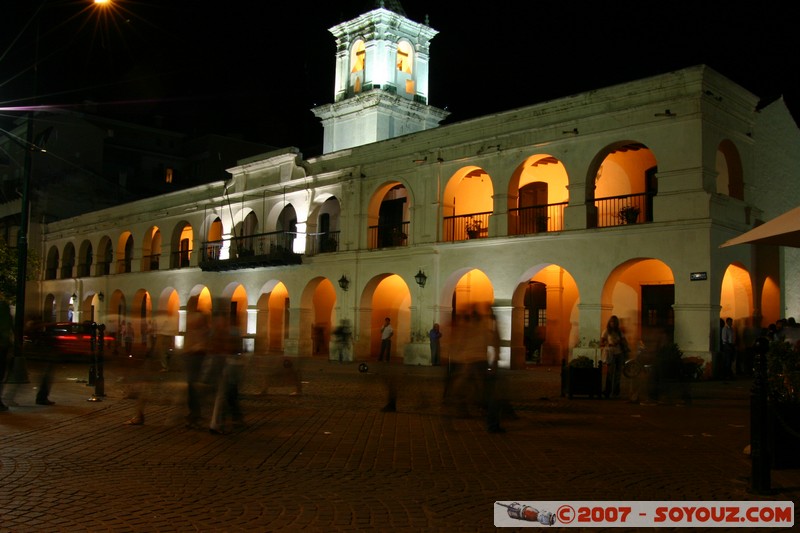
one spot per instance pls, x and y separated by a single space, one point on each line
783 230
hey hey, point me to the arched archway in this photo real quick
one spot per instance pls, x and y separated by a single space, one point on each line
537 196
385 296
641 292
467 205
316 321
543 317
272 324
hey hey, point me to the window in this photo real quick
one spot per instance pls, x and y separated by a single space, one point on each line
358 57
168 175
405 57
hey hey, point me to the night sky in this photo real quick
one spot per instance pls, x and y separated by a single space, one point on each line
254 69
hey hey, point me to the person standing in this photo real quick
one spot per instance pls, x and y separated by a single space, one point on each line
435 336
728 349
615 347
386 339
343 334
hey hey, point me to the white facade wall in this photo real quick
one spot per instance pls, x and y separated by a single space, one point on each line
690 219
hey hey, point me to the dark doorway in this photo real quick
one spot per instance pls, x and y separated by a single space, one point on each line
390 223
535 321
658 317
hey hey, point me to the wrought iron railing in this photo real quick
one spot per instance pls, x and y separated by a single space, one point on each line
387 235
180 259
151 261
469 226
625 209
536 219
248 251
322 243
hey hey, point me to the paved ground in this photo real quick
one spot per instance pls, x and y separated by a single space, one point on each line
328 459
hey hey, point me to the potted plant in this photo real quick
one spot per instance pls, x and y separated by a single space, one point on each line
473 228
629 214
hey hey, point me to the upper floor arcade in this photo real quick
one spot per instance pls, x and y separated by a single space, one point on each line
522 194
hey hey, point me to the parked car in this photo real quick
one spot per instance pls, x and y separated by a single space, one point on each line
65 341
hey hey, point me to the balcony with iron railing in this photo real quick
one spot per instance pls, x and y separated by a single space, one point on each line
322 243
181 259
536 219
151 262
387 236
469 226
250 251
624 209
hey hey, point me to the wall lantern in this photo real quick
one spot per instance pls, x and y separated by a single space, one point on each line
74 297
421 278
344 283
101 296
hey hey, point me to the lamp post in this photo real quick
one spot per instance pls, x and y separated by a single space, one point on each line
19 368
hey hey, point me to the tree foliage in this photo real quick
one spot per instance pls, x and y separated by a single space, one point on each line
8 271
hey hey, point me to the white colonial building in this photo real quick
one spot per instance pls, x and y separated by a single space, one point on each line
556 215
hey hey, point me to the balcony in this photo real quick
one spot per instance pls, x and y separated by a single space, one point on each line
181 259
151 262
625 209
250 251
536 219
387 236
469 226
323 243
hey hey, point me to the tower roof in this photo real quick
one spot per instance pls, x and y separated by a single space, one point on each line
391 5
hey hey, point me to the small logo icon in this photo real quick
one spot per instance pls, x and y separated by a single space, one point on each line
529 514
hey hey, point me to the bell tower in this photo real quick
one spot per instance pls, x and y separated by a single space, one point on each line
381 88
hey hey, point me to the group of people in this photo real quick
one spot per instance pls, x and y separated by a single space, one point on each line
472 379
214 367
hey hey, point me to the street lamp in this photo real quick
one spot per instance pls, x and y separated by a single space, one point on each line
421 278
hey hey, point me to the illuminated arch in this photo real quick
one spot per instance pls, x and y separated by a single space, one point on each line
467 204
272 322
626 294
544 319
386 295
182 243
622 174
151 249
736 295
317 318
537 196
388 216
124 252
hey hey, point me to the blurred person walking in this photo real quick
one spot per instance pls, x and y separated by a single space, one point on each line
226 351
195 345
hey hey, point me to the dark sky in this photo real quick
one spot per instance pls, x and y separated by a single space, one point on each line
252 68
